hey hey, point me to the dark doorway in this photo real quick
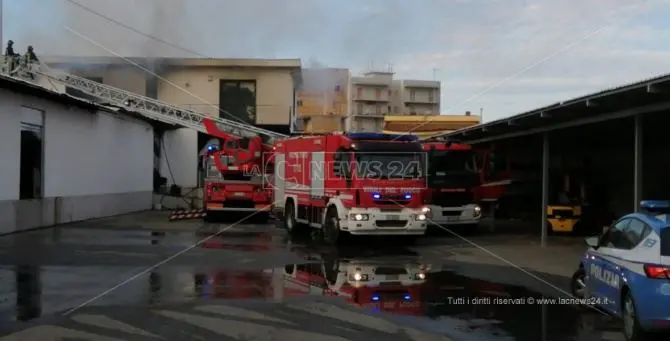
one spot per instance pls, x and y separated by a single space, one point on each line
238 98
30 183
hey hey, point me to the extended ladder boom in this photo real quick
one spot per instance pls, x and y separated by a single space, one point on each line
143 105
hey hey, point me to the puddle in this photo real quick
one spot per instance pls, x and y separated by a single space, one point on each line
428 297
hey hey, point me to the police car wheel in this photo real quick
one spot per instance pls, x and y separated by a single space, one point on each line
631 326
577 284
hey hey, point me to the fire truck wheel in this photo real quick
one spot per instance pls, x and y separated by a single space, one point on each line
331 229
290 223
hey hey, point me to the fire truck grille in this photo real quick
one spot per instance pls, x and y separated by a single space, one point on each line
233 203
390 271
452 199
391 223
402 202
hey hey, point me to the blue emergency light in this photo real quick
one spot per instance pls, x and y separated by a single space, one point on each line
655 206
376 196
212 147
375 298
407 297
382 137
408 196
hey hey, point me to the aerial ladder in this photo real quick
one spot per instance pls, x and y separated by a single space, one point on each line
230 132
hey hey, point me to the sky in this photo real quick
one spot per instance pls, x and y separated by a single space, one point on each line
502 57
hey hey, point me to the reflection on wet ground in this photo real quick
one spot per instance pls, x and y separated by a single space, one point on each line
44 273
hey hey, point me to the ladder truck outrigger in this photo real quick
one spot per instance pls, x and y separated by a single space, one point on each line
228 185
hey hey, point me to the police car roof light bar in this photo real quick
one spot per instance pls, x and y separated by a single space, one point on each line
655 206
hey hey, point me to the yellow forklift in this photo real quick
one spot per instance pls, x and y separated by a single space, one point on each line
567 206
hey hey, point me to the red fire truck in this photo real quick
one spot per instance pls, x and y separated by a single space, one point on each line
453 180
386 286
235 174
354 183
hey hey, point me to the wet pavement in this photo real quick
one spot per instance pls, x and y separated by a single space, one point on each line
252 282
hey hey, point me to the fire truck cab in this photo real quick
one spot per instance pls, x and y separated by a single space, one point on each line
234 180
452 179
353 183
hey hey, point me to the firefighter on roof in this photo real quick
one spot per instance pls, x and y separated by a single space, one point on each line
30 55
9 50
10 55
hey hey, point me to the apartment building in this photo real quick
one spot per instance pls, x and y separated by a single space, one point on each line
416 97
256 91
331 99
322 100
371 101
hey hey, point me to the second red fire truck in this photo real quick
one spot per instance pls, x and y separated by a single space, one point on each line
452 179
351 183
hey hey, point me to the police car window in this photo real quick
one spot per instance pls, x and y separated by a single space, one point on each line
614 237
634 233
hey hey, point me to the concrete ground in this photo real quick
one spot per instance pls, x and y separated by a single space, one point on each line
140 277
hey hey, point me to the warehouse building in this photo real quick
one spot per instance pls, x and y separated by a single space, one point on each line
260 92
65 159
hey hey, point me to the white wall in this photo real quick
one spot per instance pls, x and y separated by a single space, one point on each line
90 154
10 146
95 164
181 151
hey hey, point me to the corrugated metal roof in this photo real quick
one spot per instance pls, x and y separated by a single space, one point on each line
607 93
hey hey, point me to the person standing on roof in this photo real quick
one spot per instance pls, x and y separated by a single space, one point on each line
30 55
10 56
9 50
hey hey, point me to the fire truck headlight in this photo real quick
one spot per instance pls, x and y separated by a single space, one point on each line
420 276
357 276
425 209
421 217
359 217
477 211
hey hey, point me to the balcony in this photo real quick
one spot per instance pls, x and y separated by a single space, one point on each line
420 97
370 94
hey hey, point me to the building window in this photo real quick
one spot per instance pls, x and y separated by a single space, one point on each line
379 109
32 154
431 95
412 95
359 92
359 108
378 93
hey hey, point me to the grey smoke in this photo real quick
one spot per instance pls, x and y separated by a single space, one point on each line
333 32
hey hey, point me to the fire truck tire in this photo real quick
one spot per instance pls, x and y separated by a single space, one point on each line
332 235
290 223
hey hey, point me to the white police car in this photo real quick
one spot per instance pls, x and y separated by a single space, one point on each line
626 271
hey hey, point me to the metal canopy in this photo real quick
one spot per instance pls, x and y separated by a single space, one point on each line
646 96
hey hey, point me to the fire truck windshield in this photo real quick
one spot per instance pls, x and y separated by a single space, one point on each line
442 162
388 165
